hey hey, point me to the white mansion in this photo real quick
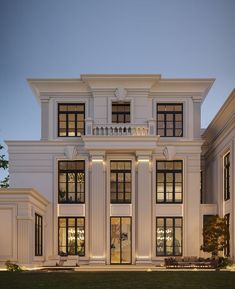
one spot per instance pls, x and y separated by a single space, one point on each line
123 173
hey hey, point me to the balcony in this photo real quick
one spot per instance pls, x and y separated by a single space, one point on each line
120 137
120 130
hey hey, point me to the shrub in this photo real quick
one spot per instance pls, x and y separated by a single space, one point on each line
12 267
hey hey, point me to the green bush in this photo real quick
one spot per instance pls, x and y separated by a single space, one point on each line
12 267
224 262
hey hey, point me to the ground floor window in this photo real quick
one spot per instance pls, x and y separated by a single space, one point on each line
38 235
71 236
169 236
227 245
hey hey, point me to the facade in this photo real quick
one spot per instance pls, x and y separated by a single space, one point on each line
116 176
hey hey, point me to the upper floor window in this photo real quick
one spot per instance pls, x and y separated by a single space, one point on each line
169 236
169 181
71 119
71 181
120 181
121 112
38 235
227 176
170 119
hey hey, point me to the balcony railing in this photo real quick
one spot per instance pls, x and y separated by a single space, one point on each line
117 129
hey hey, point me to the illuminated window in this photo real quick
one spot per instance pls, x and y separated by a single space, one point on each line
71 236
121 112
227 176
71 176
120 181
227 237
169 236
169 184
170 119
38 235
71 120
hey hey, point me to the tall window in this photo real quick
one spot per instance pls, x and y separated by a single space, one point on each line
38 235
120 181
71 181
227 176
121 112
169 181
170 119
227 245
169 236
71 236
71 119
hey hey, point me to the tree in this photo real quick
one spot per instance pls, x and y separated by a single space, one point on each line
215 235
4 165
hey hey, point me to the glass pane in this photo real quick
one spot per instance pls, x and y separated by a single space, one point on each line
126 240
160 117
121 197
169 117
113 165
127 165
71 241
120 177
169 132
62 241
62 107
71 197
160 187
120 187
178 197
178 165
178 177
161 132
128 197
115 240
169 165
128 187
178 187
161 165
169 177
62 187
120 165
113 187
128 177
160 177
160 197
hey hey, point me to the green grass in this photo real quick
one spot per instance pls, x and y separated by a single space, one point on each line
117 280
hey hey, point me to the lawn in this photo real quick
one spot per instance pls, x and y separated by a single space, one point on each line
117 280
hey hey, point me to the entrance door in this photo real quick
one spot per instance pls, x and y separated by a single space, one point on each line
120 240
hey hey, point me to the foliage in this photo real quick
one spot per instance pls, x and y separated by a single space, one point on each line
4 165
215 235
12 267
224 262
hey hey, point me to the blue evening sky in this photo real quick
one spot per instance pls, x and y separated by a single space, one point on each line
66 38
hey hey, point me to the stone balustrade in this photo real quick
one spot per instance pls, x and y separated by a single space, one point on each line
120 130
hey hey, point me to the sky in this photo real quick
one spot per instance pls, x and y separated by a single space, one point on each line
66 38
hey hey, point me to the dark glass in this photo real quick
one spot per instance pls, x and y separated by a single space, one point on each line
71 120
170 120
227 176
71 182
169 181
121 112
38 235
169 236
71 236
120 181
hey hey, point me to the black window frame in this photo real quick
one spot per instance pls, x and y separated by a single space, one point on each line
227 241
164 122
174 240
38 242
76 172
67 113
124 172
164 172
123 112
67 227
226 176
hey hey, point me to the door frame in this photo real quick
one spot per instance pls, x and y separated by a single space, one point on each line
120 218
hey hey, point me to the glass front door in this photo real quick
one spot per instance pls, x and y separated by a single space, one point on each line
120 240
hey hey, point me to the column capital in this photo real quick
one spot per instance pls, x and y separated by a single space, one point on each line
144 155
97 155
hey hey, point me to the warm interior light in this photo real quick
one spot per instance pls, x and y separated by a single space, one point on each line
143 160
97 160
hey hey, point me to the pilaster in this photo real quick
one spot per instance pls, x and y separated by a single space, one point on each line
144 208
97 209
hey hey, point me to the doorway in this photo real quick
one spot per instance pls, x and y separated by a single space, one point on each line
120 240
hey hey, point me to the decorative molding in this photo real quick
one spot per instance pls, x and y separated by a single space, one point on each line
169 152
120 93
71 152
